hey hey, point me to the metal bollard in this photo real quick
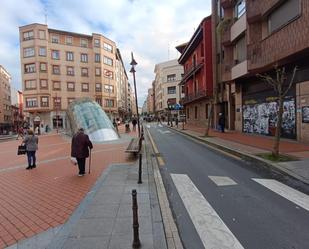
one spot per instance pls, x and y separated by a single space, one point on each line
140 169
136 242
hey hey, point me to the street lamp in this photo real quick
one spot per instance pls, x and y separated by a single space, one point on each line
133 64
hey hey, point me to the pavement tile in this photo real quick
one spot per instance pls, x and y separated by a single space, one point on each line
123 225
101 211
93 227
87 243
125 242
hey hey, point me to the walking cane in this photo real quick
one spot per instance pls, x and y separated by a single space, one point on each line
89 161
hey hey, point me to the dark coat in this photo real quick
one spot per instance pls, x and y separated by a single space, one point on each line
80 145
221 120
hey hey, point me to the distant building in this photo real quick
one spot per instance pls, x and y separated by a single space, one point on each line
17 108
60 66
197 81
150 101
5 101
166 87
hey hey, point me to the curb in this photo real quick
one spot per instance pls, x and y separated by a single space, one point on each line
245 156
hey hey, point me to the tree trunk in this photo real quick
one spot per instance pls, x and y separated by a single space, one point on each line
209 119
275 151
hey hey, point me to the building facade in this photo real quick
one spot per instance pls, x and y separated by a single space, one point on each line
150 101
17 109
166 87
252 38
5 101
197 81
59 66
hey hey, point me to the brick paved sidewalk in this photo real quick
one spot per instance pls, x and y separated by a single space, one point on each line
32 201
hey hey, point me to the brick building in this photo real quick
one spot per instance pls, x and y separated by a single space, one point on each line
197 81
5 101
252 37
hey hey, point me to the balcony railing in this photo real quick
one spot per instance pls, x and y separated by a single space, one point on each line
192 70
194 96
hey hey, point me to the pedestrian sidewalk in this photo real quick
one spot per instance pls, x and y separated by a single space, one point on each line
104 218
249 146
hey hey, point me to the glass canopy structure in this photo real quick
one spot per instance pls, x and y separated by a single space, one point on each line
86 113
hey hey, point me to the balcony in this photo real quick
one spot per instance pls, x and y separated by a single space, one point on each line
259 8
239 70
238 27
194 96
191 71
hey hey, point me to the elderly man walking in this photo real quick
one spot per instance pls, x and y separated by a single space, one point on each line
79 149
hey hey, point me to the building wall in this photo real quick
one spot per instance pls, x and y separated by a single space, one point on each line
302 102
106 78
5 99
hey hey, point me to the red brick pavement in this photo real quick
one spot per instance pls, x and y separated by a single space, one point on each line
262 142
32 201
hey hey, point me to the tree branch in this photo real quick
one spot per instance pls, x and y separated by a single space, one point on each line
291 82
269 80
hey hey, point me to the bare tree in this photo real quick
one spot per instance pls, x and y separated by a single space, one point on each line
280 86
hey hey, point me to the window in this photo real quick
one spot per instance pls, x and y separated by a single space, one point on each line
108 88
108 61
171 90
99 100
28 35
84 57
69 40
30 84
288 11
56 85
240 8
70 71
240 50
97 71
108 74
85 87
55 38
70 56
109 103
195 112
70 100
44 101
56 69
98 87
183 89
171 77
42 34
84 71
55 54
107 47
28 52
43 67
84 43
31 102
71 86
30 68
97 43
42 51
97 58
43 84
57 102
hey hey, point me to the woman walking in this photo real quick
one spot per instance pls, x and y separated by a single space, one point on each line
31 141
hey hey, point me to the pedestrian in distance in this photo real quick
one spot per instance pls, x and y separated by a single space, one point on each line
134 122
221 122
80 147
20 133
31 141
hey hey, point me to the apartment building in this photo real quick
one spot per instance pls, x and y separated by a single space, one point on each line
166 86
17 109
197 81
5 101
252 37
150 101
59 66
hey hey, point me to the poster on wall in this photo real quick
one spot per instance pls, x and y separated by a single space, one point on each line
305 114
261 118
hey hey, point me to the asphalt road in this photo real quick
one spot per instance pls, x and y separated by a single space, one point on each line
247 208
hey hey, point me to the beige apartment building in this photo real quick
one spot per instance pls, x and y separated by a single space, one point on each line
150 101
5 101
166 86
59 66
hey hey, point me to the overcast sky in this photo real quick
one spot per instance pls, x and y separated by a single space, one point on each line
149 28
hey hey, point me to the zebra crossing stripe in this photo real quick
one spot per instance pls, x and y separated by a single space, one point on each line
210 227
285 191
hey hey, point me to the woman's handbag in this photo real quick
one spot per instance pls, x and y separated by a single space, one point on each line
21 150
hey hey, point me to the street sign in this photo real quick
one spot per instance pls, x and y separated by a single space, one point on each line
178 107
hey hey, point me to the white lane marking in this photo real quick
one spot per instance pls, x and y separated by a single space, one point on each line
160 125
167 132
148 126
285 191
211 229
222 180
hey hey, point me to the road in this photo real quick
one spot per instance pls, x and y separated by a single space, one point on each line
222 202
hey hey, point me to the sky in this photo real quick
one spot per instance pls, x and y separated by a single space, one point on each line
149 28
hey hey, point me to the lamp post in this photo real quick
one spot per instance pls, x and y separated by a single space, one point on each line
133 64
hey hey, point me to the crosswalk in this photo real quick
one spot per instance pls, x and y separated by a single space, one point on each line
212 230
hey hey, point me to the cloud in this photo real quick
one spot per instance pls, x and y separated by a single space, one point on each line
151 29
